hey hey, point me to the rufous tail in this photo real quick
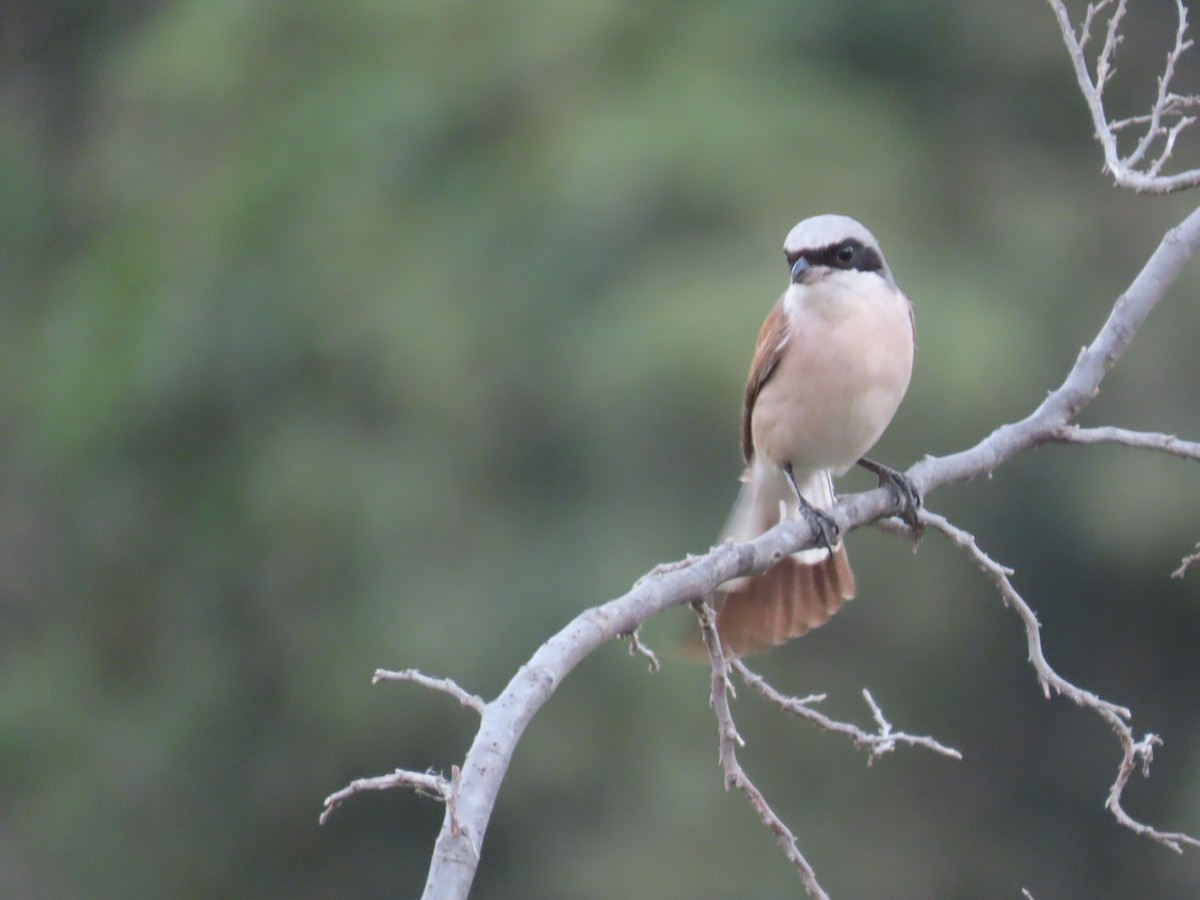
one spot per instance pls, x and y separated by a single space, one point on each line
783 603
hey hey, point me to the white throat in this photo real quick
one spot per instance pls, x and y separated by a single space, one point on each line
839 293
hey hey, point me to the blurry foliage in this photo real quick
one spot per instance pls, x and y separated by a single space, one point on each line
358 334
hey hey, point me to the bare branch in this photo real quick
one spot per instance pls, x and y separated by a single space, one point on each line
1112 38
1134 752
1169 144
1128 122
877 743
1050 680
884 741
1188 561
1141 440
424 783
1163 107
1085 30
730 740
1082 383
1167 118
442 685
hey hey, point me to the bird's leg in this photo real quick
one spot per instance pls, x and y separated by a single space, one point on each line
901 487
827 530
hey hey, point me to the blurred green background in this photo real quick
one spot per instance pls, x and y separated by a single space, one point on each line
345 335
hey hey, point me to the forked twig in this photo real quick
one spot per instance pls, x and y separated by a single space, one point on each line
876 743
1141 168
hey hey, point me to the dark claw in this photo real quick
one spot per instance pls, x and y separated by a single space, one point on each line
827 529
900 485
822 523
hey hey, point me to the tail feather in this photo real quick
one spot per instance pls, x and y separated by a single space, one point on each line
801 591
783 603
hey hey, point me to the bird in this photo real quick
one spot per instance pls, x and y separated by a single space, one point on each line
832 363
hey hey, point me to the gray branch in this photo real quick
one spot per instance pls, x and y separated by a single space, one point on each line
442 685
1134 752
424 783
1142 440
1189 561
1141 168
876 743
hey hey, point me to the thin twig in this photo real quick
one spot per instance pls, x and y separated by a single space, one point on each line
1134 752
1141 440
730 740
637 647
1085 30
876 744
442 685
1050 681
1162 125
1112 39
1188 561
426 784
1163 107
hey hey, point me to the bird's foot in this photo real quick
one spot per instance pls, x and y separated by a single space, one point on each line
828 533
900 485
822 523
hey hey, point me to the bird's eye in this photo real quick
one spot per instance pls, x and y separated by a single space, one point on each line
845 253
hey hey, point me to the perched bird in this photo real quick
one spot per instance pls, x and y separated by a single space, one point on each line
833 361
